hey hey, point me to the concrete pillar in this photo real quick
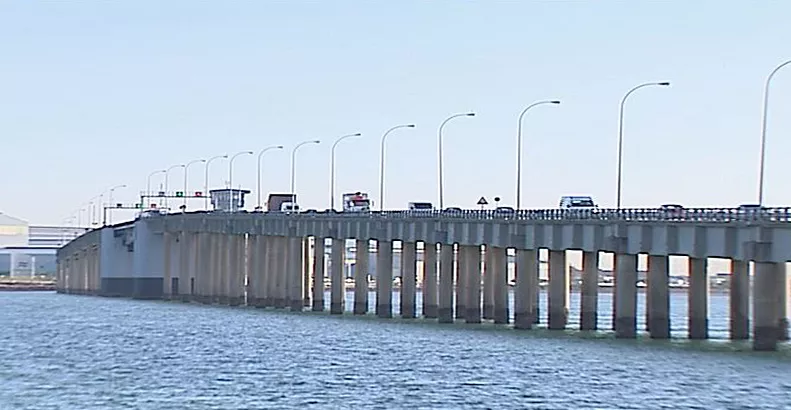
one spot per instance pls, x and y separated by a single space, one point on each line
307 266
254 290
782 301
445 305
280 264
203 279
318 275
337 286
461 285
698 293
429 291
187 271
488 285
589 298
740 300
526 284
658 297
625 296
296 273
472 273
558 290
497 269
217 269
361 271
408 279
384 279
167 289
764 310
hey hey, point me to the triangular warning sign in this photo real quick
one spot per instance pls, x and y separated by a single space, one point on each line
483 201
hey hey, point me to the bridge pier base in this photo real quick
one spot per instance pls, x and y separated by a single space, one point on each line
445 303
337 285
488 285
739 300
782 301
295 273
317 301
558 290
408 280
384 279
471 258
625 296
658 306
461 284
589 299
361 271
497 269
698 304
765 312
429 291
280 266
525 303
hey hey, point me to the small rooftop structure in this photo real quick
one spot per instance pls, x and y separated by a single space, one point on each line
228 199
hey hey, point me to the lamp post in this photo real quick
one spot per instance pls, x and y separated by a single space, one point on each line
519 149
382 163
293 168
763 132
441 126
148 186
110 204
258 174
186 168
620 134
332 167
230 177
167 172
206 179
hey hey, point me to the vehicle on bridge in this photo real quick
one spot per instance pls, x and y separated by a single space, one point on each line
357 202
281 203
672 211
420 208
577 202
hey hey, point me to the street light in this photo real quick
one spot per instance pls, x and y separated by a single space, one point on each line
382 164
167 172
519 150
293 169
332 167
206 179
258 174
148 186
620 134
110 203
230 177
186 168
763 132
441 181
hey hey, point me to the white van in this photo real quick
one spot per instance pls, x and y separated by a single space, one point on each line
577 202
289 207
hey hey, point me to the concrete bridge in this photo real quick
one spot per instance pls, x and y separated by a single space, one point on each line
269 260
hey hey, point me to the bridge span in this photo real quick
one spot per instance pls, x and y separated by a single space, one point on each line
268 260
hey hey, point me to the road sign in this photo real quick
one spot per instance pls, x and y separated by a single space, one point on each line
482 201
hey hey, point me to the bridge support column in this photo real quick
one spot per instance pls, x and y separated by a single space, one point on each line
240 270
408 280
658 306
213 243
488 284
558 290
497 270
361 276
698 294
625 296
472 274
461 284
445 309
525 303
739 300
307 268
765 312
253 275
296 273
317 301
384 279
429 291
187 272
337 285
202 269
168 268
280 265
782 301
227 268
589 299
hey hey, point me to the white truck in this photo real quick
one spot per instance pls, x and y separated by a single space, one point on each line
357 202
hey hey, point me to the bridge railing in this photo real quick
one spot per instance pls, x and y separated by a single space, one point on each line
689 215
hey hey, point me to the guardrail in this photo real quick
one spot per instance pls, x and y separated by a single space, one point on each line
689 215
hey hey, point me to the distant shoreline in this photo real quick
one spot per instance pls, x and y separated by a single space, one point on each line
26 285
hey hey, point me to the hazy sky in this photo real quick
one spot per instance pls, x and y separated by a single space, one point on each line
95 94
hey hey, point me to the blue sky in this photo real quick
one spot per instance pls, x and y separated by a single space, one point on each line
95 94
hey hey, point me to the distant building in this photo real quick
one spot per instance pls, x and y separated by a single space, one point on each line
30 250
